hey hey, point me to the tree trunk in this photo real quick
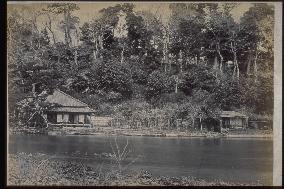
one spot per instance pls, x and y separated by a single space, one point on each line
100 40
236 67
77 37
200 123
235 61
49 27
221 57
176 83
249 63
96 48
176 87
68 28
53 35
122 58
255 66
238 71
76 57
95 54
215 65
65 30
177 124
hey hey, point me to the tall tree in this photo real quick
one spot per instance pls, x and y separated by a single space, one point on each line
69 21
257 33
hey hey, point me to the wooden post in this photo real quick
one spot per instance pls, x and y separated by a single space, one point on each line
177 124
159 122
221 124
137 125
200 123
246 124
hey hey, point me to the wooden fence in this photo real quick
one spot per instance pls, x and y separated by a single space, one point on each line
157 123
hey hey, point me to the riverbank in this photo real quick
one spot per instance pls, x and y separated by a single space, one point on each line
42 169
248 133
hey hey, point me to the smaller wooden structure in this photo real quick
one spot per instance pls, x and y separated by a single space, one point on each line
232 119
260 124
226 120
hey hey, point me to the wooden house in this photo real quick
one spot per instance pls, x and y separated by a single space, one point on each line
68 111
226 120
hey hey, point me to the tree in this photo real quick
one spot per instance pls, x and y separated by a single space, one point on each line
87 33
110 75
257 34
32 111
199 77
158 83
68 23
44 38
186 27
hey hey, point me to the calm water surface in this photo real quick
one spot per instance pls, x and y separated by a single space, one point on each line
242 160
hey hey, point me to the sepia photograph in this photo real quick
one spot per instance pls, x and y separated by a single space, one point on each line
144 93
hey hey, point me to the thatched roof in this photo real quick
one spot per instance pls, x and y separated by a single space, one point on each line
232 114
63 99
64 102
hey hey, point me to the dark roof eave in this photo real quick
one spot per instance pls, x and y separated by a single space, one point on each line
69 111
234 116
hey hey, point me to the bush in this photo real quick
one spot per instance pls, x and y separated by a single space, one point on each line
173 97
113 76
158 83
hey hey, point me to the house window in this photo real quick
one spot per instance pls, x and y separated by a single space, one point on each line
51 117
81 118
76 118
71 118
65 118
59 118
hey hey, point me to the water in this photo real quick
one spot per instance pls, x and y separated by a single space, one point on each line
241 160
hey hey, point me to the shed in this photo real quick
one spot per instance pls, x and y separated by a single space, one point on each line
226 119
232 119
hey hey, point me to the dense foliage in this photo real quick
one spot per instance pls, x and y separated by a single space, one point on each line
201 60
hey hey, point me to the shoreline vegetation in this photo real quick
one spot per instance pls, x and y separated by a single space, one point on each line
42 169
61 131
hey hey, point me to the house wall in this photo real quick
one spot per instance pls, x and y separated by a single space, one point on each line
76 118
233 122
59 118
236 122
79 118
65 117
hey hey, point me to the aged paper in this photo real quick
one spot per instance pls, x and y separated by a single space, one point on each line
144 93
